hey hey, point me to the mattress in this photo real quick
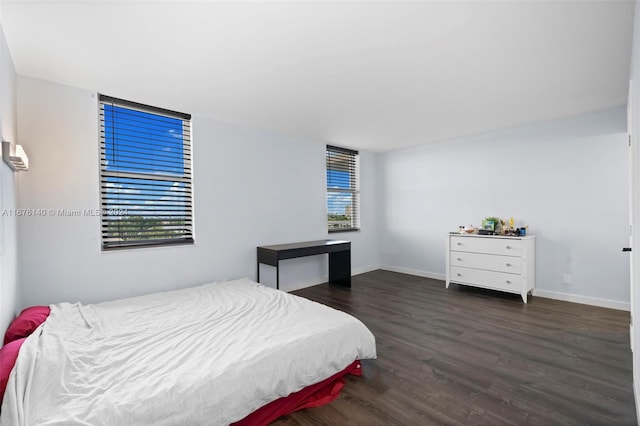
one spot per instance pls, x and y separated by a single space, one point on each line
210 354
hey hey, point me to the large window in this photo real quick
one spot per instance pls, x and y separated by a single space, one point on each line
343 190
145 175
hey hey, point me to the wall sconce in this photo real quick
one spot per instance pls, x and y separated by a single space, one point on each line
15 156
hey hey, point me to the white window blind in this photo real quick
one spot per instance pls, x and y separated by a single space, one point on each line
343 190
145 175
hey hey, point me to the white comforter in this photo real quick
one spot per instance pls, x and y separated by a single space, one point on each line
206 355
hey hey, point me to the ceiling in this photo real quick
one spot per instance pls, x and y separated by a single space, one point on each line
374 76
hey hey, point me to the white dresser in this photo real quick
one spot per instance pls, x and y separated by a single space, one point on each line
495 262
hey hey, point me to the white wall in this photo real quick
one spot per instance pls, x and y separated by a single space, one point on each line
8 248
251 188
566 179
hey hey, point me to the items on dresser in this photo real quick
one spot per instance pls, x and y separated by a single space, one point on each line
495 262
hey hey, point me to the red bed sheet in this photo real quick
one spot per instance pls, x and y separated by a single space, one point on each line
312 396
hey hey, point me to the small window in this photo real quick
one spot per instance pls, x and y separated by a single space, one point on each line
343 190
145 175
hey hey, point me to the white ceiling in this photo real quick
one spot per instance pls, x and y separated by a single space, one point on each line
367 75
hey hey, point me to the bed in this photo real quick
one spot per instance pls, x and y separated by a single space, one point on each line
219 353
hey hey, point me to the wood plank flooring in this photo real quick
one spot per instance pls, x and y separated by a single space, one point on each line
467 356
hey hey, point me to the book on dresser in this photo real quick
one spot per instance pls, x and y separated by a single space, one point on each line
496 262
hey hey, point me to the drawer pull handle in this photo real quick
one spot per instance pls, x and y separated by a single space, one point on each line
459 259
508 282
508 247
459 243
459 274
508 264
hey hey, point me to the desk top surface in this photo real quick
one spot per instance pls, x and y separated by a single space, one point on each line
304 244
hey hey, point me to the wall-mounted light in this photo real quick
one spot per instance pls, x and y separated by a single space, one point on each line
15 157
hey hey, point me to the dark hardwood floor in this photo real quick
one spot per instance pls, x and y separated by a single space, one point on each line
467 356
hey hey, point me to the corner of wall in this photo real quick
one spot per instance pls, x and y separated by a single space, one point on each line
634 126
8 240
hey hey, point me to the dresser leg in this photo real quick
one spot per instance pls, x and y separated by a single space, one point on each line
524 297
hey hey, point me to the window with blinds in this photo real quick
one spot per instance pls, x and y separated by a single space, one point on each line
145 175
343 190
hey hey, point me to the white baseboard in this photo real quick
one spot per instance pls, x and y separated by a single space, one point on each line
325 278
416 272
299 285
364 270
585 300
567 297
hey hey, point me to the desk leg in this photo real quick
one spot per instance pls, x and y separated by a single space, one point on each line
278 275
258 272
340 268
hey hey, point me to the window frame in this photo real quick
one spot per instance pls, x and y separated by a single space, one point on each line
155 180
353 168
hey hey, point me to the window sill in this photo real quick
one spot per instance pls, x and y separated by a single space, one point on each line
164 244
335 231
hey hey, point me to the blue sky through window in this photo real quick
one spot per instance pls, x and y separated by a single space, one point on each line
144 143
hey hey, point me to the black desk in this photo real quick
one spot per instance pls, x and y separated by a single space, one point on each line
339 257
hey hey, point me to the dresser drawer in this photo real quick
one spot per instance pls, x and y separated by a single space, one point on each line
501 246
489 279
490 262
